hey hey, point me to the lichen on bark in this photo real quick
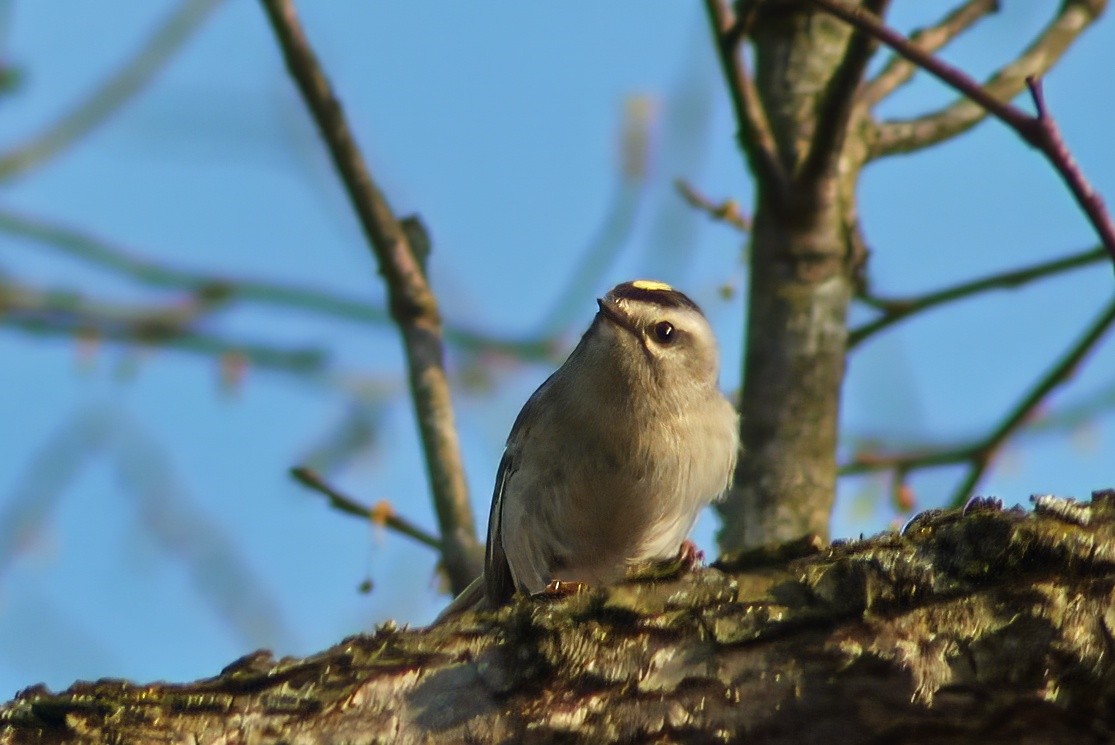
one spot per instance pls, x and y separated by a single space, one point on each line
979 624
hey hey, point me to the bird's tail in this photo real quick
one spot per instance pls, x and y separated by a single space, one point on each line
471 598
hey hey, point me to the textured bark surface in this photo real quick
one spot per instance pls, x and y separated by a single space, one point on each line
804 255
991 626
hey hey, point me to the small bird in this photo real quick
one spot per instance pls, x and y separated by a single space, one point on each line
611 459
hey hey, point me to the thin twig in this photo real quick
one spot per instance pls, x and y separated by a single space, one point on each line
899 70
979 454
1058 154
412 303
86 247
310 478
755 136
1057 375
727 211
1039 131
895 310
903 136
106 99
67 314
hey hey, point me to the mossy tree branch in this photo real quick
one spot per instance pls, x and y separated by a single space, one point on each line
910 637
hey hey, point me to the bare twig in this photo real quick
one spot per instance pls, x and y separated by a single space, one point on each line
1057 375
68 314
899 70
412 303
1039 131
1055 149
727 211
229 290
755 137
310 478
105 100
979 100
895 310
979 454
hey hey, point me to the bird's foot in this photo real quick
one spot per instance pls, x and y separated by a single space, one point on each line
689 558
557 588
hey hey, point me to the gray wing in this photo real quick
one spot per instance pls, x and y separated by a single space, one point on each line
498 584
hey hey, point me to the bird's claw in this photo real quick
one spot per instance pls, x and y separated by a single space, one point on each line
557 588
689 558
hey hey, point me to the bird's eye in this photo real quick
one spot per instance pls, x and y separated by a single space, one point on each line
664 332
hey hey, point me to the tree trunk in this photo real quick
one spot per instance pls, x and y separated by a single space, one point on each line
991 626
805 252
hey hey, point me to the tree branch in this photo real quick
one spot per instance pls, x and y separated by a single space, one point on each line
312 480
110 95
412 303
895 310
1039 131
81 245
991 97
900 70
727 211
979 454
909 637
1057 375
755 137
835 111
68 314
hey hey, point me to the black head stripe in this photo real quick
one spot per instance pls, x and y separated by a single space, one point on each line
656 293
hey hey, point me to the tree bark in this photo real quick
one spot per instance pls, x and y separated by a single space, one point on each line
986 625
805 253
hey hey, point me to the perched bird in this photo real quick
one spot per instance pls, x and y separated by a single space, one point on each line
612 458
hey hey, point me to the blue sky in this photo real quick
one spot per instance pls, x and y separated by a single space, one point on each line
173 541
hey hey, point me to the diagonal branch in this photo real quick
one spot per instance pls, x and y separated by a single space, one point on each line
110 95
1025 409
903 136
900 70
979 454
727 211
1038 131
412 302
338 501
895 310
755 136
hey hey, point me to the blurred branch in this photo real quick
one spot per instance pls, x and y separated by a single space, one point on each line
1039 131
978 454
412 303
106 99
755 137
310 478
619 219
895 309
900 70
727 212
903 136
86 247
170 516
68 314
53 466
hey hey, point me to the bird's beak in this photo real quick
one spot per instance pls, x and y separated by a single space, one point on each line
611 312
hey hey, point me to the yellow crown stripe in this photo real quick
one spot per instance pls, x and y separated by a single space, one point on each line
650 284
